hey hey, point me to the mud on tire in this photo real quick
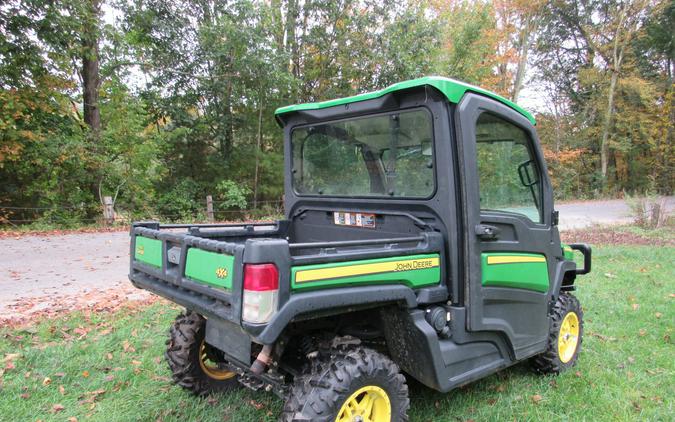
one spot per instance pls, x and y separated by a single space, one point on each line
184 354
319 393
550 361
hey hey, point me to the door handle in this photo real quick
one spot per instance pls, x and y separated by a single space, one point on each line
486 232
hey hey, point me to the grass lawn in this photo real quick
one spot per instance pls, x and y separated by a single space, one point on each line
110 367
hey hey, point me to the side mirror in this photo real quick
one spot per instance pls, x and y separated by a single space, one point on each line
527 174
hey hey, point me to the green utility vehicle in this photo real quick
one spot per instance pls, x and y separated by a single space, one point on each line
420 239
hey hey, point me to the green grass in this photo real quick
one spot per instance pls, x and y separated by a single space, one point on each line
625 371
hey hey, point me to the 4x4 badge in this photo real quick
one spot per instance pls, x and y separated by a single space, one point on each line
221 272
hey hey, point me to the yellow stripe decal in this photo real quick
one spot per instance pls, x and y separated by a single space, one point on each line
513 259
366 269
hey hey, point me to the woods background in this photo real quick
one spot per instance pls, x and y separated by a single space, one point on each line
158 104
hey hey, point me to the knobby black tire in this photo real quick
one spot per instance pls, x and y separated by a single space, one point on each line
319 393
549 361
183 355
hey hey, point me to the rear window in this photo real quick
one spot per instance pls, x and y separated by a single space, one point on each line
388 155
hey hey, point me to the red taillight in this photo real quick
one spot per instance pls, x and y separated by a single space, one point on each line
261 277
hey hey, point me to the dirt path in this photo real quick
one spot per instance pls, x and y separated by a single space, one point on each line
575 215
42 273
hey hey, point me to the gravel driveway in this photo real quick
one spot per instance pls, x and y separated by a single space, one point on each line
46 269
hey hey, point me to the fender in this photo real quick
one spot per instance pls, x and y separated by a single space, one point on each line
334 300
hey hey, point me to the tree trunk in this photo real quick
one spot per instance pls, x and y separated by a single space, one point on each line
524 48
291 41
257 157
277 24
90 68
604 144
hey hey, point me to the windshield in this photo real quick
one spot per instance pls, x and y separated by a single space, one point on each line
383 155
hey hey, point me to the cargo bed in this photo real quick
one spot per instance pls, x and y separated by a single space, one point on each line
201 267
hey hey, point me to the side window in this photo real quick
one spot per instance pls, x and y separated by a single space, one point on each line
507 168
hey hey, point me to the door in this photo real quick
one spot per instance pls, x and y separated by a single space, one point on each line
511 250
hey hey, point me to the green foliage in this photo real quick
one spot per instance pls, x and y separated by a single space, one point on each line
232 194
469 52
179 203
187 91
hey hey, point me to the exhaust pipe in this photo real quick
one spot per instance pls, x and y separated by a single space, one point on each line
264 358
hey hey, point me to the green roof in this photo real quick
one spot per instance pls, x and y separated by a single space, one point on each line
454 91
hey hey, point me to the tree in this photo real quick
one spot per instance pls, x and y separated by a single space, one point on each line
596 33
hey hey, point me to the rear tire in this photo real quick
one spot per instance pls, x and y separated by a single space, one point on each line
564 339
351 383
194 364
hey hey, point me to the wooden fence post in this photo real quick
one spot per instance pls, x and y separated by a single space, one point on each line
209 208
108 210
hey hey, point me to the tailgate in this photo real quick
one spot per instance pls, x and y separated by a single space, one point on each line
198 273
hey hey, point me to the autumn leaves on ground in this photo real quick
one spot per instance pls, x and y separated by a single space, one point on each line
108 365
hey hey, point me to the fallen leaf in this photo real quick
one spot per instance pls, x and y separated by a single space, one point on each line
610 275
57 408
72 419
256 404
631 359
10 357
46 381
109 377
601 337
62 390
537 398
127 346
642 332
85 374
25 396
635 306
92 396
109 356
136 362
81 332
658 315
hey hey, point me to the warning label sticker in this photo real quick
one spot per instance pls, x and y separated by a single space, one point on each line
354 219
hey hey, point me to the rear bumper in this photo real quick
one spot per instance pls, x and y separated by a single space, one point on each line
191 295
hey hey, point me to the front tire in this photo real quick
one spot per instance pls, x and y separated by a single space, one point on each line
353 384
565 337
195 365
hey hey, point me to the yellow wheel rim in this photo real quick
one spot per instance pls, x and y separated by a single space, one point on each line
568 337
211 368
367 404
